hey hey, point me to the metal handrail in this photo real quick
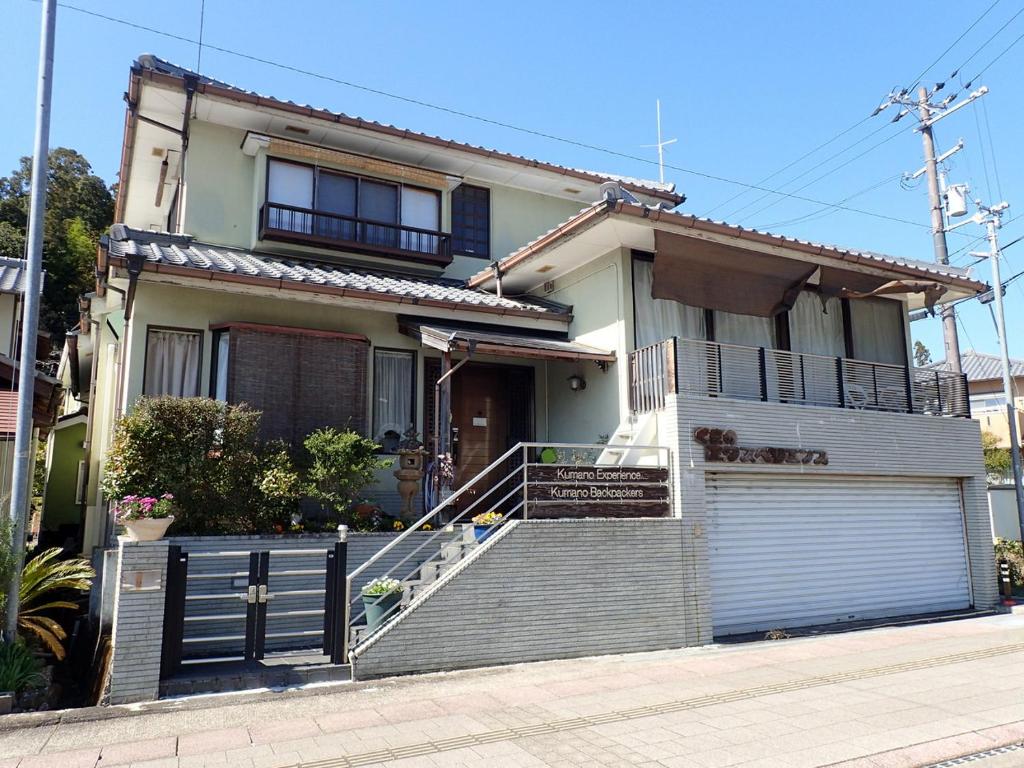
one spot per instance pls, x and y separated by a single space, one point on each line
432 514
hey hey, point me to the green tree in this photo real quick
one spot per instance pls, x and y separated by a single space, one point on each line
79 208
998 462
341 465
922 356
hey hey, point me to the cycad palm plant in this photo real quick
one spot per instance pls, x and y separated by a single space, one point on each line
43 581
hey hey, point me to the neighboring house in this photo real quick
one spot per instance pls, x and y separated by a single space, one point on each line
329 270
47 395
988 400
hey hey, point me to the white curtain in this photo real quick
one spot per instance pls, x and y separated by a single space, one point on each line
420 210
290 184
659 319
172 363
748 330
877 329
223 349
392 396
814 330
740 371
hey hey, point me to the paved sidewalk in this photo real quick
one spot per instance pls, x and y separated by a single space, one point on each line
887 697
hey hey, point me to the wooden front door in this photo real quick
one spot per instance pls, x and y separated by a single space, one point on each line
492 408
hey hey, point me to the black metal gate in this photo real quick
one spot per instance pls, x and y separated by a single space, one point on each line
288 602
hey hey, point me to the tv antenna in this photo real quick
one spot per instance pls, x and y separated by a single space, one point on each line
661 144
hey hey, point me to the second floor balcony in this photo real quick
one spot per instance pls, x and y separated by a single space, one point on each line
304 226
712 369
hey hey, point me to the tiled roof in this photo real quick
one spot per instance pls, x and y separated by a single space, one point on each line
12 275
183 253
664 190
661 214
980 366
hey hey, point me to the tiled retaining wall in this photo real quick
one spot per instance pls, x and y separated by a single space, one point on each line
546 589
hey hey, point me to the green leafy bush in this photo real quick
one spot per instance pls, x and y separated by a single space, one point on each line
209 456
1011 552
341 464
46 582
18 667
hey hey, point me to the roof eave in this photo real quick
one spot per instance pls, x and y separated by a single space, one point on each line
212 89
354 293
599 211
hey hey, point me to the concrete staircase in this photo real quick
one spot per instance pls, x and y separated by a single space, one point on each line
637 429
425 579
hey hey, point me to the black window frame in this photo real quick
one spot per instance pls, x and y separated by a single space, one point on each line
318 169
459 228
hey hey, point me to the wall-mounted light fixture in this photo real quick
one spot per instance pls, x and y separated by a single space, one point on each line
577 383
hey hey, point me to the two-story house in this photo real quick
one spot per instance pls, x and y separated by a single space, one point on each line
331 270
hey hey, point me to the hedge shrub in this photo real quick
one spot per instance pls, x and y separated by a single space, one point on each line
208 455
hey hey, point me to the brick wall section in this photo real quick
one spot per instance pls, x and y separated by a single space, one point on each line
138 625
547 589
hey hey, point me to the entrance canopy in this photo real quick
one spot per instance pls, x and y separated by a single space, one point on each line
454 338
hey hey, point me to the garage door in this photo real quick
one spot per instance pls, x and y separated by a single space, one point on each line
789 551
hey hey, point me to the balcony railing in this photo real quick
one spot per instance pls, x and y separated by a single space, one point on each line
332 230
712 369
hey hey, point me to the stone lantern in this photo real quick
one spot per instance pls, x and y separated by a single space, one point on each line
410 470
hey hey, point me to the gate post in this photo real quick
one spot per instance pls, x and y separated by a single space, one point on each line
340 632
174 611
138 622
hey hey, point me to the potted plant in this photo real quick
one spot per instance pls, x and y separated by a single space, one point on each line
486 523
146 518
380 598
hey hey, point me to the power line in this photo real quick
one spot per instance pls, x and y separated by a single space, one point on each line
1002 53
786 167
860 122
478 118
952 45
821 212
755 201
829 173
982 47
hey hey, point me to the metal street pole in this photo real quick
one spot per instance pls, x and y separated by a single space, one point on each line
992 224
20 478
952 341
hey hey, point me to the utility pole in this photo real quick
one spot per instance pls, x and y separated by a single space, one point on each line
929 114
992 224
952 341
20 478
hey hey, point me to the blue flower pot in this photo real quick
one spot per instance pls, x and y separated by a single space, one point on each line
379 608
483 531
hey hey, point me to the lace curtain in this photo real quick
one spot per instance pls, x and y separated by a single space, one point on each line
172 363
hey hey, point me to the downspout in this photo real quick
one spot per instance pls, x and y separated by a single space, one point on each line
191 82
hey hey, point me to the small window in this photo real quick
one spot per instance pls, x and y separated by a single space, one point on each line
471 221
393 396
173 360
219 365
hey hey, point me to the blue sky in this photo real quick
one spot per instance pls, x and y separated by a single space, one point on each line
746 88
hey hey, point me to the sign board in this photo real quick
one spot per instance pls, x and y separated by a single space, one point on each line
720 445
569 490
540 510
567 473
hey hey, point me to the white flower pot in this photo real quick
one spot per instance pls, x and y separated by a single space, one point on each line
148 528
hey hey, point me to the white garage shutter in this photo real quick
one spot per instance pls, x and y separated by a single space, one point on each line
790 551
